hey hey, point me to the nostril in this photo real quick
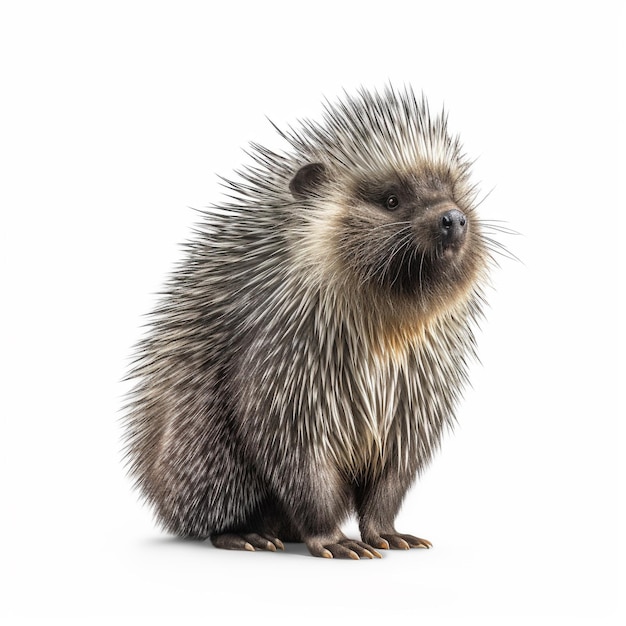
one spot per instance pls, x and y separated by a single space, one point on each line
446 220
462 220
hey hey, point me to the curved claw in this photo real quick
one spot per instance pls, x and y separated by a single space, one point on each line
402 541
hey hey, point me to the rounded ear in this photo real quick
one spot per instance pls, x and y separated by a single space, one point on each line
307 180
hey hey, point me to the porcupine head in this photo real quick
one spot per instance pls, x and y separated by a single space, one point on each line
312 349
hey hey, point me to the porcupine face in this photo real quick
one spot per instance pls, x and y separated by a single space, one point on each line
409 235
405 227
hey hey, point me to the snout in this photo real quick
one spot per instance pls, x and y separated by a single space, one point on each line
452 228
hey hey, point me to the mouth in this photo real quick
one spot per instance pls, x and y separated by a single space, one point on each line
450 251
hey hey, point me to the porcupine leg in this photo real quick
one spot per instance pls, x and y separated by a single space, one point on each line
309 514
306 505
318 501
378 501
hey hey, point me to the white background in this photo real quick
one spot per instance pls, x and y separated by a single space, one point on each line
117 116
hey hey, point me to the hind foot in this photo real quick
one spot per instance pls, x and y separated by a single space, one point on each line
247 541
397 541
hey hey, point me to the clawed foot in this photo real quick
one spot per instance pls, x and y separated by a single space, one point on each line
398 541
247 541
342 549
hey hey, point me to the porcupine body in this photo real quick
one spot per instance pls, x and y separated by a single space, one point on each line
312 347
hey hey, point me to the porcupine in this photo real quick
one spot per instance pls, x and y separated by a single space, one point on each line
311 349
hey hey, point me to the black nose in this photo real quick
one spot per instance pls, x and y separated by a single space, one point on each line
453 225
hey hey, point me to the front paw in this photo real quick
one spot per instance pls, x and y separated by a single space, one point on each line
396 541
342 549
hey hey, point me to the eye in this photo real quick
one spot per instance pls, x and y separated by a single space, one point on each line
392 203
